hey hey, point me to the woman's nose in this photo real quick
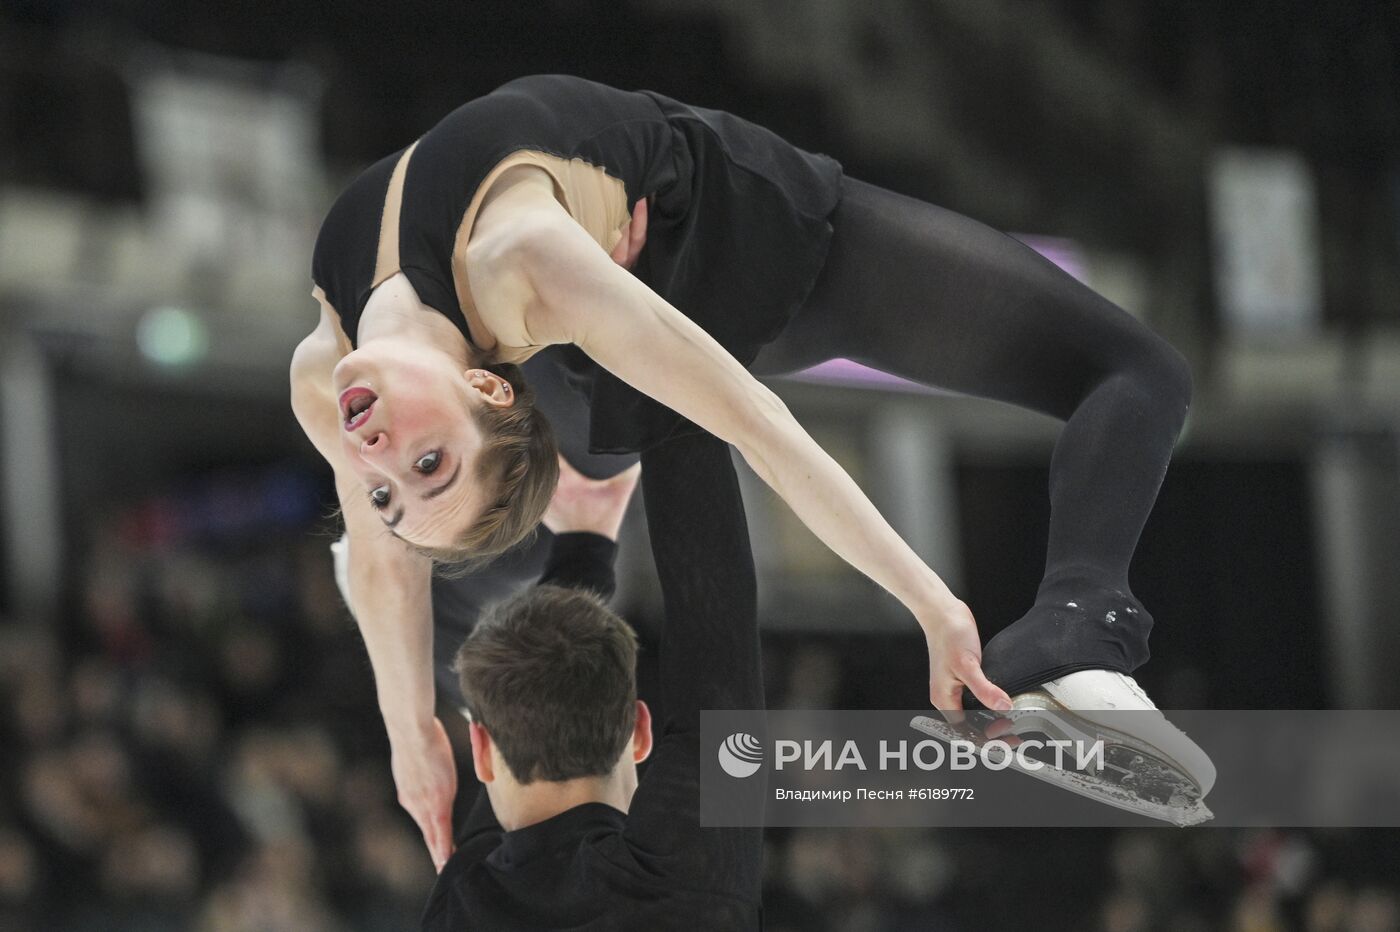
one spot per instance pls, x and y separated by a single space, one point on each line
374 443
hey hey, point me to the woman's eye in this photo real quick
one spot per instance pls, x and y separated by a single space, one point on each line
428 462
379 497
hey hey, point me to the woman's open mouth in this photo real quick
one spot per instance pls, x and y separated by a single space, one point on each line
355 405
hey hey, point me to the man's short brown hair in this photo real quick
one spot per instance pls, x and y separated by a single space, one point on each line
551 675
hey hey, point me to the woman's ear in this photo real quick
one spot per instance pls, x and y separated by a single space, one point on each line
641 734
493 389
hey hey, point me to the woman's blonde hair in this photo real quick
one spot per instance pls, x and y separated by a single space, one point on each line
519 460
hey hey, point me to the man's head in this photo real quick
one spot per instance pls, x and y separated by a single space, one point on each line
549 678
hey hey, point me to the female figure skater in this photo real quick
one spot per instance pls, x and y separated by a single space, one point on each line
510 227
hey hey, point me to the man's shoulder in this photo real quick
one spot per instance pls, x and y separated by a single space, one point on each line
449 898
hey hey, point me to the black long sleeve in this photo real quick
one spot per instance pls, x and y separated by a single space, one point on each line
700 541
709 658
582 560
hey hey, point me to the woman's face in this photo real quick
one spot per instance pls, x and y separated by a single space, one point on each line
409 436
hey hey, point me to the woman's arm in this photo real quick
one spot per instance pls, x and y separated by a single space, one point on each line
389 582
545 271
391 601
390 598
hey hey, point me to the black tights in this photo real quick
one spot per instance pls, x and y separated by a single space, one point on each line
927 294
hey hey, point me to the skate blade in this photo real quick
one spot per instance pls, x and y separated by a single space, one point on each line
1182 807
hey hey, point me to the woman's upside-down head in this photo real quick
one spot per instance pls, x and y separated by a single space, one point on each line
456 459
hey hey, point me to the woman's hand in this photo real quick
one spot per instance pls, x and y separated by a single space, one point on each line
955 661
425 775
634 237
592 505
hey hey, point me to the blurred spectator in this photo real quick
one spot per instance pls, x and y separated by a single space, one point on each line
1375 910
149 879
1126 912
272 892
1327 909
19 881
1256 911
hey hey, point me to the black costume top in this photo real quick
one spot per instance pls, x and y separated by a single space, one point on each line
593 868
737 228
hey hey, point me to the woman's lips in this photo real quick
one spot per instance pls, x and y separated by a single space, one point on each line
355 406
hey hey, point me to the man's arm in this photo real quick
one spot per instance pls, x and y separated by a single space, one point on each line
582 560
709 656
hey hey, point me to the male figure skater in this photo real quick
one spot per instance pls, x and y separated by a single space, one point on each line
565 836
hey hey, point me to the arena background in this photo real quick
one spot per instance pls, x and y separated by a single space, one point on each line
190 737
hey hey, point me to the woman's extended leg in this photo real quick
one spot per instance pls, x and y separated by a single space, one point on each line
927 294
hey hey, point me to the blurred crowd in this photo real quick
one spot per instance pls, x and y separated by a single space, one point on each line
200 749
1151 880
